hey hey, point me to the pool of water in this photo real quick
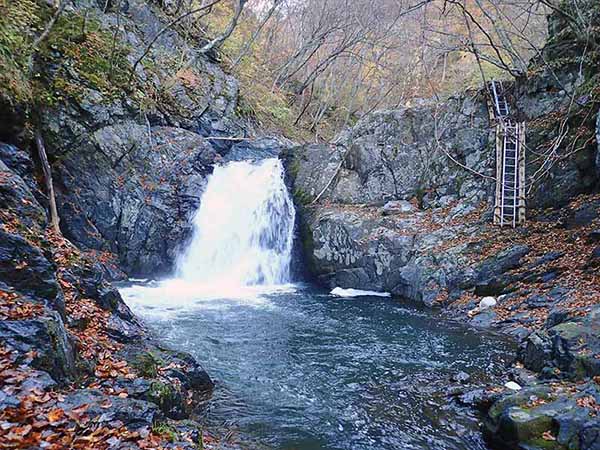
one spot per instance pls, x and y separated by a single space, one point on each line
296 368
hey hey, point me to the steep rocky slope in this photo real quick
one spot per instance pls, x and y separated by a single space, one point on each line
129 155
127 147
382 203
72 355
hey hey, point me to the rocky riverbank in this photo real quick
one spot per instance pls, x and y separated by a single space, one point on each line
77 369
403 203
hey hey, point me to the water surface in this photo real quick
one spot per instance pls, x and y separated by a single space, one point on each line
296 368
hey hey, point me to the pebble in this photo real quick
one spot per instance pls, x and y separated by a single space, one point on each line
513 386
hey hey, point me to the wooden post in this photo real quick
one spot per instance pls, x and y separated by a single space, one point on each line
499 174
54 220
522 162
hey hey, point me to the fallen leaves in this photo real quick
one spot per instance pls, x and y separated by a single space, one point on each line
39 422
12 307
548 436
569 270
589 402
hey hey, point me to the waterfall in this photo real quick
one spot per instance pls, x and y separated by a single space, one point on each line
243 230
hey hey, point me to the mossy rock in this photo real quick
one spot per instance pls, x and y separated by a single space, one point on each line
147 364
521 425
169 399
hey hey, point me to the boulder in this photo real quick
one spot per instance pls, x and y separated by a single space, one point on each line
47 337
489 277
397 207
572 346
487 302
513 386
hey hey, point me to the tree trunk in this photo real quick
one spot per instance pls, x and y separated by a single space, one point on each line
217 42
54 220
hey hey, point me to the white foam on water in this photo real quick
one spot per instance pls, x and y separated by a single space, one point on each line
341 292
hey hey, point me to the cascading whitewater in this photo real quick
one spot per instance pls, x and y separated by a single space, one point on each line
243 230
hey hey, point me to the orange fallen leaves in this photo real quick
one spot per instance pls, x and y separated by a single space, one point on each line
14 308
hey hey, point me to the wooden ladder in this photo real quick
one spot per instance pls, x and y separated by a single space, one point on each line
500 103
510 162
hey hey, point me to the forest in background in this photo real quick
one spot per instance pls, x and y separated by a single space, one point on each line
313 67
307 68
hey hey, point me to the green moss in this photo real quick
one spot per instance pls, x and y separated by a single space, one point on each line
161 394
147 364
78 54
301 197
165 430
86 56
18 20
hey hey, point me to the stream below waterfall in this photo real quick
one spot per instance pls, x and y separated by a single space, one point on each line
297 368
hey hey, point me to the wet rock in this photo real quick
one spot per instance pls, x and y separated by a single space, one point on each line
256 149
485 319
489 279
17 161
481 399
24 267
47 338
19 197
173 381
134 414
536 352
539 418
508 424
169 398
461 377
124 331
556 316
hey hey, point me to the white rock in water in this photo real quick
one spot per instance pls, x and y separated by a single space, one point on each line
487 302
340 292
513 386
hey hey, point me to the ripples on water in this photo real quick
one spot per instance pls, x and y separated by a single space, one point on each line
299 369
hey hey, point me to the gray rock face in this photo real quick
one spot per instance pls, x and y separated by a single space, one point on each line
571 346
360 248
130 169
132 191
389 158
403 154
55 351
